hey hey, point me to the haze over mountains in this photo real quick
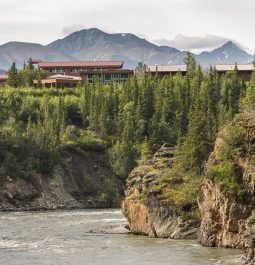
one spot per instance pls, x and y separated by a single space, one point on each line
94 44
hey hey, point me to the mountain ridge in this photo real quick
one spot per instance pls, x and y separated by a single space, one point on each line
224 52
95 44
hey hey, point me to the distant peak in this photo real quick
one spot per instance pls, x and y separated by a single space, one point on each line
88 31
230 44
94 30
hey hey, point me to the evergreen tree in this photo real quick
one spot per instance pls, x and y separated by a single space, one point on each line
193 151
13 80
191 65
30 66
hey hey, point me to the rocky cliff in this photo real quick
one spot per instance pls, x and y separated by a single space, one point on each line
249 243
82 179
226 199
227 194
146 210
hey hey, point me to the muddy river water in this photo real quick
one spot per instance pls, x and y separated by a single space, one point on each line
94 237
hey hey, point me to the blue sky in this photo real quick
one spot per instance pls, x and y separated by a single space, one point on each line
211 21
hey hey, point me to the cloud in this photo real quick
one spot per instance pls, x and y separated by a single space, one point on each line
71 29
194 43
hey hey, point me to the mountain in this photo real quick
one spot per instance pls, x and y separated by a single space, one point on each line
20 52
229 53
94 44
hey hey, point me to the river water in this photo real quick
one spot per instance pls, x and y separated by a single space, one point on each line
94 237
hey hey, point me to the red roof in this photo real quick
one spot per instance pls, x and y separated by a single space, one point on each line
110 64
36 61
3 77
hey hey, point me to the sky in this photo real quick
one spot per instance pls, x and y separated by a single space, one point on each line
184 24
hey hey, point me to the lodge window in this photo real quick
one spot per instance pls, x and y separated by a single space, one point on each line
124 76
116 76
97 69
58 70
107 77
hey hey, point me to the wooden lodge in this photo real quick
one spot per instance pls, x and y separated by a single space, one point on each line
166 70
244 70
70 74
102 71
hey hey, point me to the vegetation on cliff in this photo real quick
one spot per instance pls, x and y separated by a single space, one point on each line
214 102
226 196
132 119
237 143
212 168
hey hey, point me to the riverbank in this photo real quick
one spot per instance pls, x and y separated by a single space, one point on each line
82 179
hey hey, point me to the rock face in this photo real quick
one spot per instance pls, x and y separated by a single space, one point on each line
249 244
224 214
146 213
157 219
77 182
223 222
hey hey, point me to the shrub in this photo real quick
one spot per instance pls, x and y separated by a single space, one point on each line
226 173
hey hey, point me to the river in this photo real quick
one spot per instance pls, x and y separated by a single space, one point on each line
94 237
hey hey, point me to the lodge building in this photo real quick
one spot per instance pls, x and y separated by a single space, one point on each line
166 70
244 70
62 74
70 74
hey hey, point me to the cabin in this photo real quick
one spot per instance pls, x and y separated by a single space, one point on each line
102 71
244 70
3 79
166 70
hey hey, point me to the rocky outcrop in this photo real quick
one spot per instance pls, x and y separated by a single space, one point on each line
223 222
80 180
227 198
147 213
154 218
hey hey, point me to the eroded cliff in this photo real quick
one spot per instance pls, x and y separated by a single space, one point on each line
145 207
81 179
227 195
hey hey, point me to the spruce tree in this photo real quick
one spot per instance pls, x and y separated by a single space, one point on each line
13 80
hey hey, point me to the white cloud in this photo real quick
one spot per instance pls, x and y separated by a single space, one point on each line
43 21
194 43
69 30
